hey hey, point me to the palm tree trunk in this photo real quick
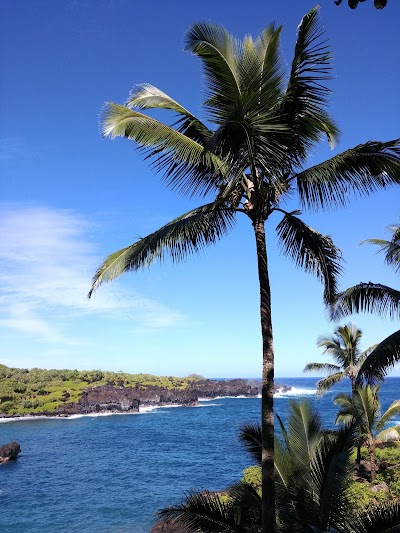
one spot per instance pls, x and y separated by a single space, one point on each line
372 461
267 398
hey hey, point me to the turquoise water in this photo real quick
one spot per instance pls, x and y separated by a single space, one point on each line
110 473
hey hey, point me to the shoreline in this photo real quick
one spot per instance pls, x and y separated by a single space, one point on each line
149 408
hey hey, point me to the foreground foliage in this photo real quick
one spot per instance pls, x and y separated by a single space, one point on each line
314 487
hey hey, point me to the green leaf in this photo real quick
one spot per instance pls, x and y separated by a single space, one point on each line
367 298
183 236
361 170
187 167
311 251
381 360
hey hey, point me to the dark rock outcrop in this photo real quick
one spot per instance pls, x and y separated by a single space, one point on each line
108 398
210 388
120 399
9 452
102 399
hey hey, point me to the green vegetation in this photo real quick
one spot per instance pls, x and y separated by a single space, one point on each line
364 408
24 391
317 486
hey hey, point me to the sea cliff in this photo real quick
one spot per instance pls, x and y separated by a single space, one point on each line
66 393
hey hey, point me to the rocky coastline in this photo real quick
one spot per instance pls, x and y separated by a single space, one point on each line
119 399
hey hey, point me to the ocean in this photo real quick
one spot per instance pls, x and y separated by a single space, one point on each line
109 474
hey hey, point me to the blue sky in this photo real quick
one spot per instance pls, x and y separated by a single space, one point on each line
69 198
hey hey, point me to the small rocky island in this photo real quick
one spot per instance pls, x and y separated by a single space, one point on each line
9 452
39 392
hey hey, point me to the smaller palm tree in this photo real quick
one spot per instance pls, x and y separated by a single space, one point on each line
344 348
364 407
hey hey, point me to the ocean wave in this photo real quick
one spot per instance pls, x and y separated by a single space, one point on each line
294 391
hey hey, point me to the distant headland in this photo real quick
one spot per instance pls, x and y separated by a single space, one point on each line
39 392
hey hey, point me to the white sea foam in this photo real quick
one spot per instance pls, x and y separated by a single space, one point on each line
142 411
294 391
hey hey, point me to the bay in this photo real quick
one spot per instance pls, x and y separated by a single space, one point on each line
109 474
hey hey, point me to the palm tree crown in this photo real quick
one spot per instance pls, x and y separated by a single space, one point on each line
344 348
251 160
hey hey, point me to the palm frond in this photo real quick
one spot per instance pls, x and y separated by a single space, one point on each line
271 72
391 248
331 468
333 346
347 412
366 404
304 430
392 411
321 367
327 383
218 51
381 360
367 298
186 165
146 96
251 437
184 235
303 105
311 251
384 518
284 464
360 170
202 511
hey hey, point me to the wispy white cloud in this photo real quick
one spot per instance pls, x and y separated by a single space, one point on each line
11 148
46 263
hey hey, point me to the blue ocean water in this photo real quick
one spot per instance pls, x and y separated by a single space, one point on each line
109 474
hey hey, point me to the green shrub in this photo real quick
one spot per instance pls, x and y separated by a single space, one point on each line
252 476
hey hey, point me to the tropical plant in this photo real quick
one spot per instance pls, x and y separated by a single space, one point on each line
311 474
344 348
365 409
380 299
251 160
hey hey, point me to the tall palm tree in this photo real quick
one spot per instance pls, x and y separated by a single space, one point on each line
365 408
250 160
380 299
344 348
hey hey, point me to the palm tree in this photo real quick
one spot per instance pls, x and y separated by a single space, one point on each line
364 407
344 348
250 161
380 299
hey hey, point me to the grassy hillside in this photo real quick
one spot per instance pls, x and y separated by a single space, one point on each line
24 391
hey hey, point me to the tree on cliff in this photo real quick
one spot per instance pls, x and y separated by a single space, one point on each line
251 162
